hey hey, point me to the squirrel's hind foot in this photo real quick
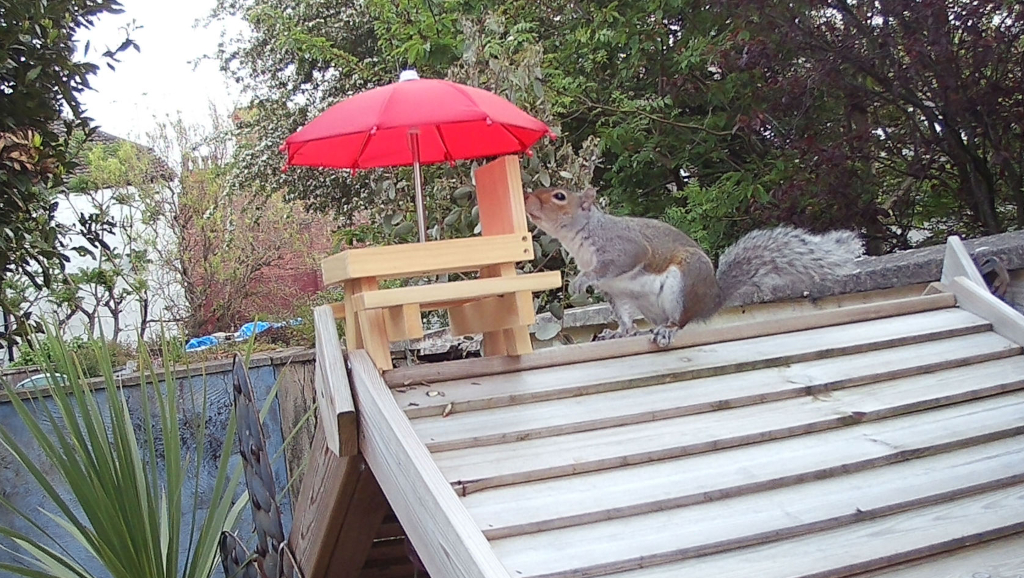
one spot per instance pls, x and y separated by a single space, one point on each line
662 335
614 334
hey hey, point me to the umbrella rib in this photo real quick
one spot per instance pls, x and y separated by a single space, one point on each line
444 145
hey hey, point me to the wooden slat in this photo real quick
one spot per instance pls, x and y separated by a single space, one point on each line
499 186
393 571
865 546
446 539
415 259
609 409
437 293
994 559
355 536
1005 320
692 335
387 550
326 494
334 398
676 365
608 494
488 466
390 530
671 535
958 263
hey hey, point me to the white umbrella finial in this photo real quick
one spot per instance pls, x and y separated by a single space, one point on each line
409 74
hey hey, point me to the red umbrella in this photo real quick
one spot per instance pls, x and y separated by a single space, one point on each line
412 122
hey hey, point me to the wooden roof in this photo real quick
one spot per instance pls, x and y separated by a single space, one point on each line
885 438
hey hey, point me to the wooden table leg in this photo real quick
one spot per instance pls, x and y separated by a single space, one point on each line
512 340
366 329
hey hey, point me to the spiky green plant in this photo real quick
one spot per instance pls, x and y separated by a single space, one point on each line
130 514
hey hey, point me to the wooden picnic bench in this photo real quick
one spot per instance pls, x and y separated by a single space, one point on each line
498 303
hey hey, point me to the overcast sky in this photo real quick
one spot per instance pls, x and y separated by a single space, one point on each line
161 81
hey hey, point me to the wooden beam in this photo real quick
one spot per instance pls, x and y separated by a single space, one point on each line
528 419
366 510
403 322
327 488
691 336
1006 320
499 186
336 409
480 468
958 263
445 536
741 356
414 259
425 295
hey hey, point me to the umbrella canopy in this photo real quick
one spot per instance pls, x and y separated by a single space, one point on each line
455 122
412 122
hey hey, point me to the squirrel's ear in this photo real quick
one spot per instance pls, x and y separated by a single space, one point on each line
589 195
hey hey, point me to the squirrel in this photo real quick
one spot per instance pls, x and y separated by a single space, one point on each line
649 266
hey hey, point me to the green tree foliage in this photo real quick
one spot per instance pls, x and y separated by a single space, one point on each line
40 80
894 118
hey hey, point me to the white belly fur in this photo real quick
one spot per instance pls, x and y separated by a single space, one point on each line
658 297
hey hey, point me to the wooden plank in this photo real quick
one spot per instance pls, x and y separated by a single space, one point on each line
355 537
426 295
1005 320
390 530
633 405
297 395
326 494
434 258
516 462
692 335
1000 557
334 397
491 313
865 546
677 365
446 539
676 534
376 341
387 549
394 571
650 487
499 186
403 322
958 263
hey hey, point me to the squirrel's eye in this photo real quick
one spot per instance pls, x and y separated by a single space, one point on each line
559 196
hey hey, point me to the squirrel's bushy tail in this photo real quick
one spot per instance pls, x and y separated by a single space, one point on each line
772 263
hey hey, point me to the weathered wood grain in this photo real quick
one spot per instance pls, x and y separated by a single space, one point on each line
680 533
334 397
667 366
623 407
864 546
692 335
608 494
1005 320
477 468
446 539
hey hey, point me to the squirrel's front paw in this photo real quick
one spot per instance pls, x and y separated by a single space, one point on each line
663 334
612 334
580 284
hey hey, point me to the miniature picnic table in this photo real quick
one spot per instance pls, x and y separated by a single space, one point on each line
498 303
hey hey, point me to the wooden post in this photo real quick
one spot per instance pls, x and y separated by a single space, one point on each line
337 411
339 509
499 186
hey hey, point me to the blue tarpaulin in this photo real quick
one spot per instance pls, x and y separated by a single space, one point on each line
244 332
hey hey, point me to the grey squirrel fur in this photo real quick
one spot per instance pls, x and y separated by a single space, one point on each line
647 266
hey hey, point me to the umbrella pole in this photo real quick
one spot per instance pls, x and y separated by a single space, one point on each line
417 179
